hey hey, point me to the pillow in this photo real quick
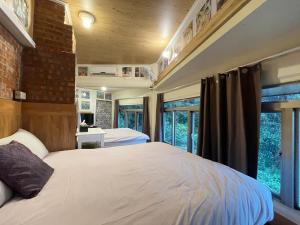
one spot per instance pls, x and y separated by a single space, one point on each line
29 140
25 173
5 193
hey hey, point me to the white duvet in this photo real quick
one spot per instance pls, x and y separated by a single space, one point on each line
148 184
124 134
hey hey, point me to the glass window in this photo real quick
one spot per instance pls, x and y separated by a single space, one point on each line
108 96
121 119
182 103
131 116
139 122
100 95
85 94
282 93
181 128
168 127
269 159
195 126
180 123
131 120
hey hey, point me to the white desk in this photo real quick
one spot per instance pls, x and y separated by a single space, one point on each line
93 135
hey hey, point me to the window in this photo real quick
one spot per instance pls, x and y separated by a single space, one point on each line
168 127
195 126
269 171
180 123
131 116
181 129
278 161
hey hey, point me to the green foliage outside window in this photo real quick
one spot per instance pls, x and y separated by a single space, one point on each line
269 151
131 123
181 130
180 124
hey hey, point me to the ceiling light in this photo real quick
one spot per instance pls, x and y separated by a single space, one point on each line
103 88
166 54
86 18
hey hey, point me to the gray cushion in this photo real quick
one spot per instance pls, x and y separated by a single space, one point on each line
21 170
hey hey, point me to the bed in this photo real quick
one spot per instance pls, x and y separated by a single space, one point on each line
123 136
150 184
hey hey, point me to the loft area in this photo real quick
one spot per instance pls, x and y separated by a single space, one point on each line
190 108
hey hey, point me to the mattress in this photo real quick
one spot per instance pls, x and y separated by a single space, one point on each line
123 136
148 184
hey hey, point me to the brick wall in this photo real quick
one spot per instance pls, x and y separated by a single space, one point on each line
49 70
10 63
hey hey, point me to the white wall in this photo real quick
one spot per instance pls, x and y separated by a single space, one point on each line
186 92
282 69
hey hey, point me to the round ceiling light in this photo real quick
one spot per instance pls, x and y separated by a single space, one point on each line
166 54
86 18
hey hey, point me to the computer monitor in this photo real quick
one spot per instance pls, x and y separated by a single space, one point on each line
88 117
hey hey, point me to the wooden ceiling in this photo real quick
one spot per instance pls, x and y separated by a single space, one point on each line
126 31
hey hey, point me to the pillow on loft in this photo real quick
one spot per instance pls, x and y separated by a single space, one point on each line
29 140
24 172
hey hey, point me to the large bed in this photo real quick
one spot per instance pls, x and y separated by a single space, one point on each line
123 136
147 184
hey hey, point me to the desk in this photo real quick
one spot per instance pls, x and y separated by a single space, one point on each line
93 135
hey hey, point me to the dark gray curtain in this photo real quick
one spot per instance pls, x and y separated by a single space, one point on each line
146 118
229 119
159 117
116 114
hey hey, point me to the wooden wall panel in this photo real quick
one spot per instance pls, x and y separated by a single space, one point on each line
10 117
53 124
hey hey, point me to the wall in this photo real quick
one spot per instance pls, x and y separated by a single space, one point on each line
185 92
10 64
49 70
49 79
104 114
282 69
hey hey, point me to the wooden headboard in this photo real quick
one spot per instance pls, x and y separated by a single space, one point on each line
53 124
10 117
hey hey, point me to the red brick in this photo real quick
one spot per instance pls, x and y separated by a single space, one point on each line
49 70
10 64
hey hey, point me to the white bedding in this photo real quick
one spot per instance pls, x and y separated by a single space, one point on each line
123 136
149 184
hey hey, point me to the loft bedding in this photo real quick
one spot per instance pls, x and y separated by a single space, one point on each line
148 184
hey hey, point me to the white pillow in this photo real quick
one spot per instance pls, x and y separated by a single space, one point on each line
29 140
5 193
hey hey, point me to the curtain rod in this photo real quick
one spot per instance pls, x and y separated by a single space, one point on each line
277 55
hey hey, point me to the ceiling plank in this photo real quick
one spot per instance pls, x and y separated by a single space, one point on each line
126 32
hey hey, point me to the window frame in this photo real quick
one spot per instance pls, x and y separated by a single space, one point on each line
190 110
290 112
136 112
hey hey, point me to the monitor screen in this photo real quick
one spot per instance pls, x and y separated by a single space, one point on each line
88 117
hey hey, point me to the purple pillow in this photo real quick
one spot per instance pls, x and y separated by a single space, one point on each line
25 173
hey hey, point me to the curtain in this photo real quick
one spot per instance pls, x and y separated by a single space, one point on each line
146 118
116 114
230 119
159 117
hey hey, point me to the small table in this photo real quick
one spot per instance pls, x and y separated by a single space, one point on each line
93 135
